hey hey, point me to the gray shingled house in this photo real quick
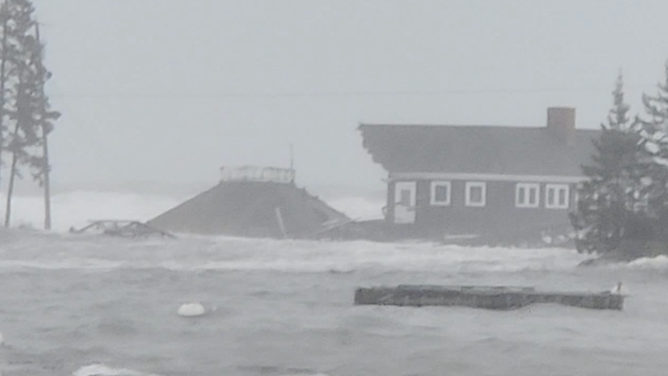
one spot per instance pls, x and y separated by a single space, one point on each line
252 202
480 180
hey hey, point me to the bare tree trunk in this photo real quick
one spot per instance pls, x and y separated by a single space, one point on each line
10 189
3 82
15 152
45 155
47 182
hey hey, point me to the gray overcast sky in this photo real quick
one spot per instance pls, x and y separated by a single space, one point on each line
170 90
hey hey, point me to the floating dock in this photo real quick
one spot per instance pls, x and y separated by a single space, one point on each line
485 297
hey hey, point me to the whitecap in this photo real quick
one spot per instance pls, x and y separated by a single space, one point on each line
103 370
658 262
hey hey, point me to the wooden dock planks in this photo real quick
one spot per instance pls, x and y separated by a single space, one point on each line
485 297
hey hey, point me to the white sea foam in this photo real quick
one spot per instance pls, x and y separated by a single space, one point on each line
103 370
77 207
359 207
659 262
192 253
67 264
62 252
272 295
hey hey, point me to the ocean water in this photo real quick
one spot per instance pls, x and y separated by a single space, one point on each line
88 305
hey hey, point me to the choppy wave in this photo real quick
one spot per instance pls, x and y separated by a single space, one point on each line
287 309
659 262
72 264
280 371
64 252
75 208
103 370
359 207
195 254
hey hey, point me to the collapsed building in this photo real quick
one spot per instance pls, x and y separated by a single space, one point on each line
253 202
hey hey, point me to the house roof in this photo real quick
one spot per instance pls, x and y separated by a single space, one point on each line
248 208
476 149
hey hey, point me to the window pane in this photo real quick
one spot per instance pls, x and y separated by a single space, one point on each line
441 193
550 196
532 196
562 197
521 196
475 195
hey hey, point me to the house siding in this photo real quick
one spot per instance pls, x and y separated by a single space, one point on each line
498 217
389 205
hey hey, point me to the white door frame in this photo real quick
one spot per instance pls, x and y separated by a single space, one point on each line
404 212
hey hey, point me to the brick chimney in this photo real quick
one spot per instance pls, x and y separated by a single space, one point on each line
561 124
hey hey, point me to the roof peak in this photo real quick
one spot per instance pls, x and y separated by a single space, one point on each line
446 125
469 126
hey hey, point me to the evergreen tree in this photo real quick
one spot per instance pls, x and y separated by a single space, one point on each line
618 117
609 200
656 107
4 57
26 118
44 119
13 29
653 163
22 93
22 137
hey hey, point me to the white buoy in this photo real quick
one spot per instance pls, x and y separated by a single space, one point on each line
191 310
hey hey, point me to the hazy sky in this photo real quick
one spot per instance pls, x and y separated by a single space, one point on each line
170 90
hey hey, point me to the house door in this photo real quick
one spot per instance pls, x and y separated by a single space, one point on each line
404 202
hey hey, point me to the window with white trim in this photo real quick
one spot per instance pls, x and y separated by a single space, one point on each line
440 193
556 196
527 195
476 194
